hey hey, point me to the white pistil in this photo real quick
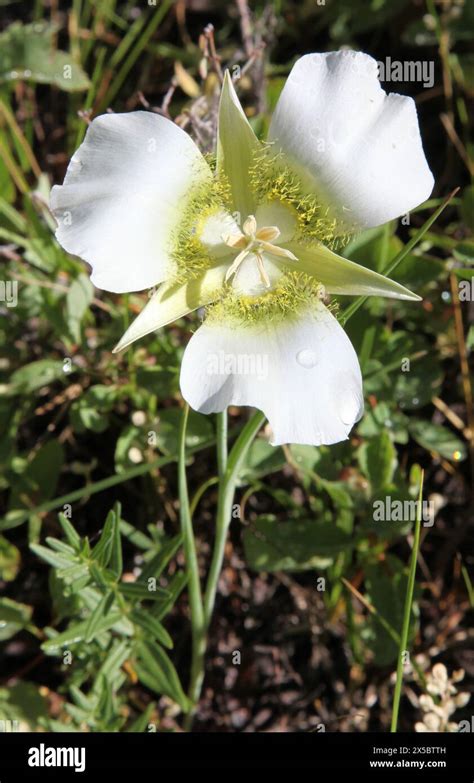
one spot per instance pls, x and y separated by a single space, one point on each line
256 241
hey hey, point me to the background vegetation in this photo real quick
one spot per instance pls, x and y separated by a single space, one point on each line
312 592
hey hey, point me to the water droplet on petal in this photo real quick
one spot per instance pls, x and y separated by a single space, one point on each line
307 358
348 409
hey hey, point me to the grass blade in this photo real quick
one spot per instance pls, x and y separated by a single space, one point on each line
407 611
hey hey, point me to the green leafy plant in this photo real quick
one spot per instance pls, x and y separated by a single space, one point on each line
114 633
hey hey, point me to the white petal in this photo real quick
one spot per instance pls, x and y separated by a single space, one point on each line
123 196
360 148
216 227
248 280
274 213
172 301
303 374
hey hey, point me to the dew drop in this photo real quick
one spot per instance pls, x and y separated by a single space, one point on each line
348 409
307 358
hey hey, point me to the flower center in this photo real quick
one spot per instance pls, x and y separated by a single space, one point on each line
255 241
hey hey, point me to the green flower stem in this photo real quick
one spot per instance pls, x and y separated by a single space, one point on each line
200 492
407 612
222 443
227 487
229 470
192 569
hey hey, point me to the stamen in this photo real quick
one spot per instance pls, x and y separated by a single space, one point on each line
263 272
268 234
234 240
250 226
235 264
278 251
256 242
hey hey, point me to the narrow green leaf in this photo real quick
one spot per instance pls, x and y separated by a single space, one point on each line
105 706
116 561
138 539
103 578
136 50
139 591
53 558
141 723
157 564
82 701
103 549
175 588
152 626
407 611
77 632
156 671
119 653
69 531
13 617
60 546
98 615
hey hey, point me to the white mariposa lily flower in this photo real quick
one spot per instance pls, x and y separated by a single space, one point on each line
253 241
